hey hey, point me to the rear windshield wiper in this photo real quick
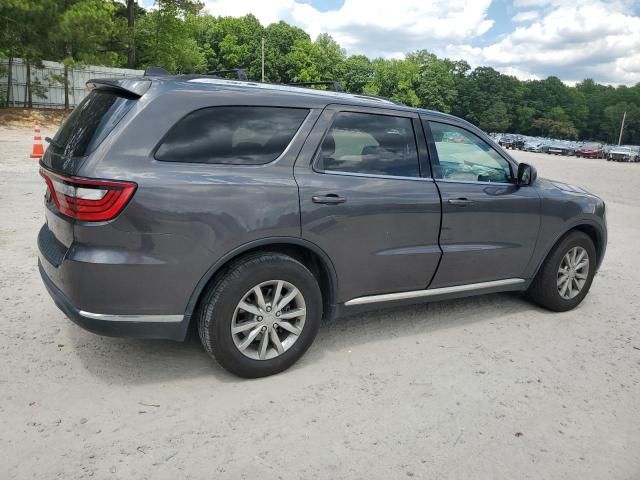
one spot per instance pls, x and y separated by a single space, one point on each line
54 143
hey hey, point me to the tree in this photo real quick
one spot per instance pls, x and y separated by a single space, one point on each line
179 36
81 29
131 37
612 120
481 90
329 57
166 37
280 40
495 118
22 23
436 82
395 79
355 73
230 42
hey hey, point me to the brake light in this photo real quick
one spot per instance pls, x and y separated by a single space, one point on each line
88 199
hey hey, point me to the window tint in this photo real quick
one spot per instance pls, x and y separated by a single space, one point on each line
372 144
466 157
232 135
89 123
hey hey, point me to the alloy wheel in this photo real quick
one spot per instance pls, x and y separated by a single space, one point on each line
268 320
573 273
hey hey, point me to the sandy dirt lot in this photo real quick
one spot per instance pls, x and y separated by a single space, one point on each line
483 388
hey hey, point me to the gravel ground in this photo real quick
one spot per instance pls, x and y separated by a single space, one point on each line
485 388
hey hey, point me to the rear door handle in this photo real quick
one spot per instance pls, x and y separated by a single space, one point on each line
330 198
460 202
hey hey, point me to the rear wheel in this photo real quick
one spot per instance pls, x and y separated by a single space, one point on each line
566 275
261 316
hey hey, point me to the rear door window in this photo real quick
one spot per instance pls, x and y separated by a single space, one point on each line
89 123
371 144
232 135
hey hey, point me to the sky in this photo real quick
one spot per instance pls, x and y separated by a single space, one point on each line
570 39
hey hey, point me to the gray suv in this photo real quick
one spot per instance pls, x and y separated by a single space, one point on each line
255 210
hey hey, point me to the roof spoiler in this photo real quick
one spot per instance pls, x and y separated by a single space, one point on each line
128 86
154 71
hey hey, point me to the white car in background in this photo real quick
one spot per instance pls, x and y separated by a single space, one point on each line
623 154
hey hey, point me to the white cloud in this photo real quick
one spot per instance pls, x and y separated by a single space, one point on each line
374 27
571 39
527 16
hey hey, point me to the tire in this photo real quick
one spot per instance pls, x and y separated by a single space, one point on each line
220 308
544 289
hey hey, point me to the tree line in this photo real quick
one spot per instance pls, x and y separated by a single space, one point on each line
180 37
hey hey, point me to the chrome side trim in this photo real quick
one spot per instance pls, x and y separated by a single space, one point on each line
432 292
503 184
370 175
132 318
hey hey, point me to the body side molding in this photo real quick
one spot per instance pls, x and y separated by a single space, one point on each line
433 292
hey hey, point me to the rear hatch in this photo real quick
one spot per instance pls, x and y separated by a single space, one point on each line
90 123
70 198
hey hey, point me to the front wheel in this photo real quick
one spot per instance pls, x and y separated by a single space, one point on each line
261 315
566 275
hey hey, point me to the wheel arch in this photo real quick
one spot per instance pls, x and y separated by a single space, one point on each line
312 256
594 231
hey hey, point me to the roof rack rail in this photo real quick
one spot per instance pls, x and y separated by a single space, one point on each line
239 72
377 97
153 71
336 85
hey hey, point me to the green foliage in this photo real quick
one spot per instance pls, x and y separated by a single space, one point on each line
179 36
282 60
165 37
81 28
612 119
355 73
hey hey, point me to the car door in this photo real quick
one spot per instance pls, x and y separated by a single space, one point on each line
367 199
489 224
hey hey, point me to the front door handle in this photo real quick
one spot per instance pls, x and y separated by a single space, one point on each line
330 198
460 202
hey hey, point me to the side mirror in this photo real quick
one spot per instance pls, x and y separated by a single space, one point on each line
527 174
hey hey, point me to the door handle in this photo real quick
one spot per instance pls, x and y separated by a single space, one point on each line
460 202
330 198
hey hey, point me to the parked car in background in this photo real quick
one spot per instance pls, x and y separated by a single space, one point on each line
590 150
623 154
512 141
533 146
252 211
505 141
558 148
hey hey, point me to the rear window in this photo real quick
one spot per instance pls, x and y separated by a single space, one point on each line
89 123
232 135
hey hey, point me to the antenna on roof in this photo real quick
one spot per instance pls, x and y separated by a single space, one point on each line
239 73
336 87
152 71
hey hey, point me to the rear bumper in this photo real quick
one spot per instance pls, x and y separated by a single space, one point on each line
170 327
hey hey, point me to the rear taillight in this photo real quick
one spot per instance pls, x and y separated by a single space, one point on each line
87 199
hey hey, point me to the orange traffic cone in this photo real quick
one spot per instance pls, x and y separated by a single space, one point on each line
38 149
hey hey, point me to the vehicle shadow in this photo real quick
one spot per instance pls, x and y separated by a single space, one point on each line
138 361
415 320
134 361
